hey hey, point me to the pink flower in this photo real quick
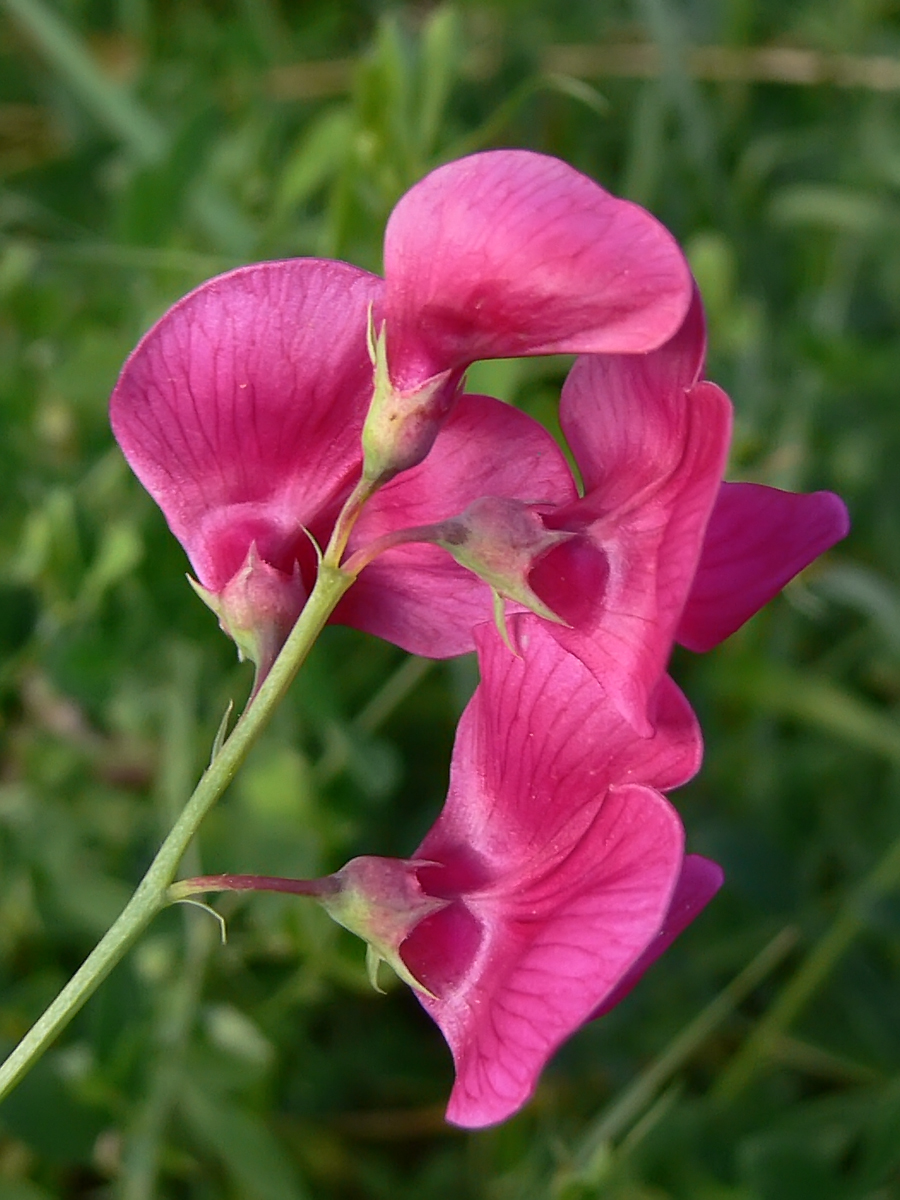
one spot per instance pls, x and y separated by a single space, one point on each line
656 549
558 863
241 412
510 253
553 878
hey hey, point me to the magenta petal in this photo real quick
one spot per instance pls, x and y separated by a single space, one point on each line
241 410
673 757
558 875
554 937
543 741
416 596
509 253
757 539
621 414
699 881
657 458
651 443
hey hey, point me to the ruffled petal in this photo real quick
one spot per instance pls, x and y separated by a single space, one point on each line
758 538
651 443
510 253
556 873
621 414
538 746
645 520
241 410
698 882
552 941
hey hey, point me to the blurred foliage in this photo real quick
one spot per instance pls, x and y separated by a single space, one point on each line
145 146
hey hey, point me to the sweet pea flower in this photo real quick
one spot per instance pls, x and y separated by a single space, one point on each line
656 549
241 412
244 409
508 253
554 876
557 856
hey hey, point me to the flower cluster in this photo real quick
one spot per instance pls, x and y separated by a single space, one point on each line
305 403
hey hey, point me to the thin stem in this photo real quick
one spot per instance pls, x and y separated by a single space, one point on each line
343 527
815 968
397 537
151 893
184 889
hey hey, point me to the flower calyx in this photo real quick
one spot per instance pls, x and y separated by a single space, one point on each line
381 900
500 540
401 424
257 608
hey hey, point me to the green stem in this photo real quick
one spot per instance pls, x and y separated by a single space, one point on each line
185 889
397 537
150 896
852 918
340 536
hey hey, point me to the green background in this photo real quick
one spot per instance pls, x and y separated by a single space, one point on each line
146 146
